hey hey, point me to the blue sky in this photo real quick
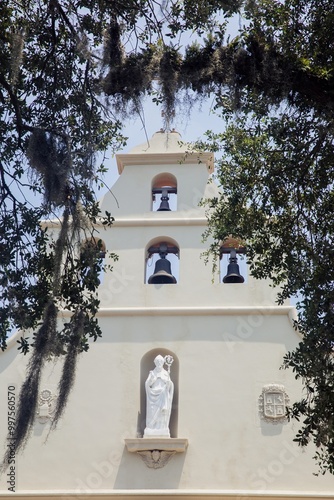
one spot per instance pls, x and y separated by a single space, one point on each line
191 128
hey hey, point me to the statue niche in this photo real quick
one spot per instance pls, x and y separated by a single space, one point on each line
159 397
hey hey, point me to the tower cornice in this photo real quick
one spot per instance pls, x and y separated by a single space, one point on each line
186 158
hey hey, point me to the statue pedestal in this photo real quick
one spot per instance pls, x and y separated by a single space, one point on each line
156 451
179 445
156 433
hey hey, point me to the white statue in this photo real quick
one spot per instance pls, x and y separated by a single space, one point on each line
159 397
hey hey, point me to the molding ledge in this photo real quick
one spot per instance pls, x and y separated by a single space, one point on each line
194 310
155 494
190 311
176 158
179 445
181 218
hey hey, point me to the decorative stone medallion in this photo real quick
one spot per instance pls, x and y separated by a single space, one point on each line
272 403
46 406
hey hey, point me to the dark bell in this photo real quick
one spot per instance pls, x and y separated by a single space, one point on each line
233 274
162 273
164 205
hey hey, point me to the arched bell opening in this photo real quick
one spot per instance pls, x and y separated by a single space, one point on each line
146 365
232 265
97 246
162 261
164 193
92 255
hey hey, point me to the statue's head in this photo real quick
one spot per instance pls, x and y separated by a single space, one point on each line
159 360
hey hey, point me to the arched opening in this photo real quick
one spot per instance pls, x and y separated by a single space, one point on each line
95 245
146 365
162 261
92 255
232 261
164 193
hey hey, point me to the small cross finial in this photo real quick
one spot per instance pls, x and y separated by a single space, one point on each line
168 116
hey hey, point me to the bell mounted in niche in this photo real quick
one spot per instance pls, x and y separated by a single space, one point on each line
233 273
164 205
164 191
163 271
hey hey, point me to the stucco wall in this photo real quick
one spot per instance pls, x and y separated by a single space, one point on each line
229 342
224 362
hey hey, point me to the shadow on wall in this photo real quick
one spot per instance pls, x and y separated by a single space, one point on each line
134 474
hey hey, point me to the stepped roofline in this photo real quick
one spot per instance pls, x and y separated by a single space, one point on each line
164 148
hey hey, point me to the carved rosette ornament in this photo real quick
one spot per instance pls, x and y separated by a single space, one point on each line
46 406
272 403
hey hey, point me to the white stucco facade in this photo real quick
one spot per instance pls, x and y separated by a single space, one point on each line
228 342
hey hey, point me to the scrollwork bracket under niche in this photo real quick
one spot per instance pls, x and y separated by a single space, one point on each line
156 452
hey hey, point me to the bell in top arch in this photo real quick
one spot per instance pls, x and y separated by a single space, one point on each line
164 205
233 274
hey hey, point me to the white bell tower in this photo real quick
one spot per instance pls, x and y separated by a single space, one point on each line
206 354
147 172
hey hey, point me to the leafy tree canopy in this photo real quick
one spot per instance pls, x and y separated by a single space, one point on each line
68 67
59 60
277 176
